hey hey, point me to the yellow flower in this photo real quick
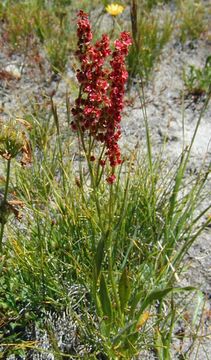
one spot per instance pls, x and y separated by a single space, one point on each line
114 9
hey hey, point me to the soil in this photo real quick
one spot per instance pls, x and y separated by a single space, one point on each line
24 77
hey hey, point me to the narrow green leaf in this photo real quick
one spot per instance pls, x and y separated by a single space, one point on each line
99 257
105 298
159 345
128 329
124 289
178 181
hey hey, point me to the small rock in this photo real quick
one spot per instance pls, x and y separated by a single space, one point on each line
13 70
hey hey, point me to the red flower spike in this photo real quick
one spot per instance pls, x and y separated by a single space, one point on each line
98 107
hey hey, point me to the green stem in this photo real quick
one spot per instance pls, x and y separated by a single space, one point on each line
98 172
58 133
93 181
110 254
1 235
94 188
7 180
112 279
4 202
87 153
148 137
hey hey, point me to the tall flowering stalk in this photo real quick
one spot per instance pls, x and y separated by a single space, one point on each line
97 110
96 119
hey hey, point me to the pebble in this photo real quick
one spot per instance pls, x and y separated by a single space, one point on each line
13 70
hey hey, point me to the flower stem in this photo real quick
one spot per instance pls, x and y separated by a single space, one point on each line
4 203
1 235
110 254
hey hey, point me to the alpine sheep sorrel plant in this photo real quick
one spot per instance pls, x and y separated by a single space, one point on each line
96 266
97 110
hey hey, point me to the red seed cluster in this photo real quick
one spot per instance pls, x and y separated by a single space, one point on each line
98 107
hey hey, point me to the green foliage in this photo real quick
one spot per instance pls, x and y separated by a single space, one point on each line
149 4
49 23
122 244
197 81
150 35
57 50
20 24
53 28
191 14
105 2
2 10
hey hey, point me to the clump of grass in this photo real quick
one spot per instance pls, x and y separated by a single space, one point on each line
192 17
146 226
19 24
197 81
27 22
53 27
149 4
149 38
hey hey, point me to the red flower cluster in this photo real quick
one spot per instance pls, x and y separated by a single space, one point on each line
100 102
